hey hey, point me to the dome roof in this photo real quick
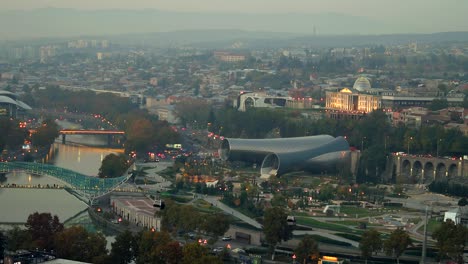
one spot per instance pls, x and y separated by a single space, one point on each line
361 84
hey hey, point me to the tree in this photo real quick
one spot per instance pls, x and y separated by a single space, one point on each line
76 243
275 227
156 247
172 252
3 241
438 104
18 239
463 202
43 227
46 134
195 253
307 249
370 243
113 166
216 224
397 243
451 240
11 136
122 251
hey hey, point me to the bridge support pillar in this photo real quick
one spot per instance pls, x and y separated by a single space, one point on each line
63 138
460 168
398 178
109 140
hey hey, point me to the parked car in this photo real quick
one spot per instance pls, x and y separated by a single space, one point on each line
226 238
218 249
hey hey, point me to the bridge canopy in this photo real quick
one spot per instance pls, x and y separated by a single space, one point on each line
89 186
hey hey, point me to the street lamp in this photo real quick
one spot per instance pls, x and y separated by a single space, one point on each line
411 138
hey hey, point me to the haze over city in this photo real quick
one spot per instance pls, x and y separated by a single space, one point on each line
240 131
32 19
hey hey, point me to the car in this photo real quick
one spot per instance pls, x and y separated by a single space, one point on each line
226 238
218 249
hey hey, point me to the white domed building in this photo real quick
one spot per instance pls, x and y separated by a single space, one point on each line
362 84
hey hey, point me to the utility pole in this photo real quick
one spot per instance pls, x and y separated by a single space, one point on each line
423 252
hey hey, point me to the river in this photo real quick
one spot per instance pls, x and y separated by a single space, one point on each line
16 204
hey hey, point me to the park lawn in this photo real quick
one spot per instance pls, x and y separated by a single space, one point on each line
353 223
432 226
308 221
352 211
204 206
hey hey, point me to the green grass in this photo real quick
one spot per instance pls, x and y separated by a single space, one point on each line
176 198
432 226
353 223
322 225
352 211
204 206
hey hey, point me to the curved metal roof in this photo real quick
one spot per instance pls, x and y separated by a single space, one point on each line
9 94
281 155
8 100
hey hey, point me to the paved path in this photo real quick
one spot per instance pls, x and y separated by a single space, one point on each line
214 200
153 173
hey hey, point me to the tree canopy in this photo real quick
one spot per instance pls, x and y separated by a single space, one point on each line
275 227
451 240
370 243
43 227
76 243
307 249
397 243
123 248
45 134
113 166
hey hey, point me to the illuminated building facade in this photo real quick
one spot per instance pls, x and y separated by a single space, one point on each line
349 100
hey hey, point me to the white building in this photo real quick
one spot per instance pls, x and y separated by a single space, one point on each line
137 210
457 215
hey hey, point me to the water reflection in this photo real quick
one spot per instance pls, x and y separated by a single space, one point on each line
19 203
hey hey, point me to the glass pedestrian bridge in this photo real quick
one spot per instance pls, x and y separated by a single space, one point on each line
88 187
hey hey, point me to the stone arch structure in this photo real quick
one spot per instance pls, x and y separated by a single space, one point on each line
417 171
428 173
423 169
440 172
249 103
452 171
406 171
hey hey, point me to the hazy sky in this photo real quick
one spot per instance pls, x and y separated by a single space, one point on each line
420 9
342 16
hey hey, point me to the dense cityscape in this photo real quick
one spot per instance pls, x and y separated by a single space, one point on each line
239 148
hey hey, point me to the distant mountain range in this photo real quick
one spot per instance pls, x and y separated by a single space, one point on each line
57 22
174 28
